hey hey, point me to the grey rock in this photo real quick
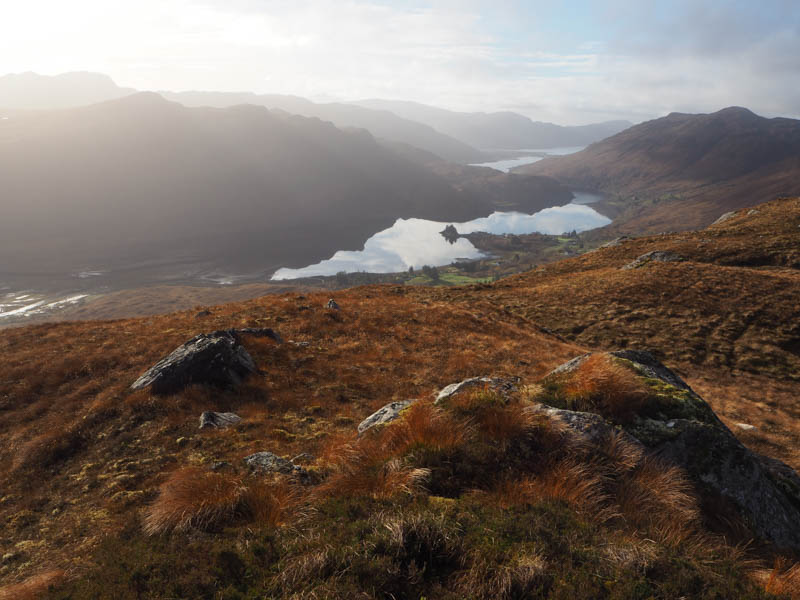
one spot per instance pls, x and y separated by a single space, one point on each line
202 313
653 256
384 414
332 305
218 420
503 386
766 495
221 465
267 462
678 426
570 365
725 217
589 427
217 359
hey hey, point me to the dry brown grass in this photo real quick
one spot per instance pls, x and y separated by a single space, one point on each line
604 385
658 499
193 497
517 579
578 484
33 587
365 467
201 499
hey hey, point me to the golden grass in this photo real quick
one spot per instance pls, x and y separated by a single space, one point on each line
193 497
604 385
658 499
201 499
567 480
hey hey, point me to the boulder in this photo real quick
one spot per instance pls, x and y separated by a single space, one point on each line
384 415
217 359
678 426
653 256
332 305
267 462
216 420
725 217
503 386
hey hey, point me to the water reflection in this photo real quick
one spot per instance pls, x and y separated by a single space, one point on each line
507 164
417 242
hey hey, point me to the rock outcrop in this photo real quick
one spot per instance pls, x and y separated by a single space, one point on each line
216 420
216 358
503 386
653 256
678 426
267 462
384 415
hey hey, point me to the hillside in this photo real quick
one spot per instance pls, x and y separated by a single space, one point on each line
506 130
382 124
143 179
499 490
683 171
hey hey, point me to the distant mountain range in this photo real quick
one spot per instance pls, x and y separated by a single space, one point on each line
380 123
455 137
36 92
683 171
499 130
143 179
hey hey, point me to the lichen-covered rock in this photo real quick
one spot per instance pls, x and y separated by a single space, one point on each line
653 256
267 462
216 420
216 358
502 386
384 414
678 426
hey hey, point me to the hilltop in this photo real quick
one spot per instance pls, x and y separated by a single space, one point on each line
683 171
486 493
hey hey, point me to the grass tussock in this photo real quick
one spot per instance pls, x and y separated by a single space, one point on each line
601 384
32 588
201 499
576 484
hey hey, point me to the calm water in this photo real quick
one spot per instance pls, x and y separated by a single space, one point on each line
509 163
416 242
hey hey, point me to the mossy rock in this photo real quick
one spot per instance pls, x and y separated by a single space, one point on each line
675 424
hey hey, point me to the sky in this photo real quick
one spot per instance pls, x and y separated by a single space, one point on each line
569 62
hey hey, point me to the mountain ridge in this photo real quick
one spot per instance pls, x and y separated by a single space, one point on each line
683 171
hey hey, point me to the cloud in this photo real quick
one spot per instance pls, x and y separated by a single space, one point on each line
578 63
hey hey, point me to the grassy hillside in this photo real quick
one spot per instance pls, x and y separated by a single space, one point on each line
683 171
111 493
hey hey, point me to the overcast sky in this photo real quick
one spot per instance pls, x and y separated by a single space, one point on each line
569 62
